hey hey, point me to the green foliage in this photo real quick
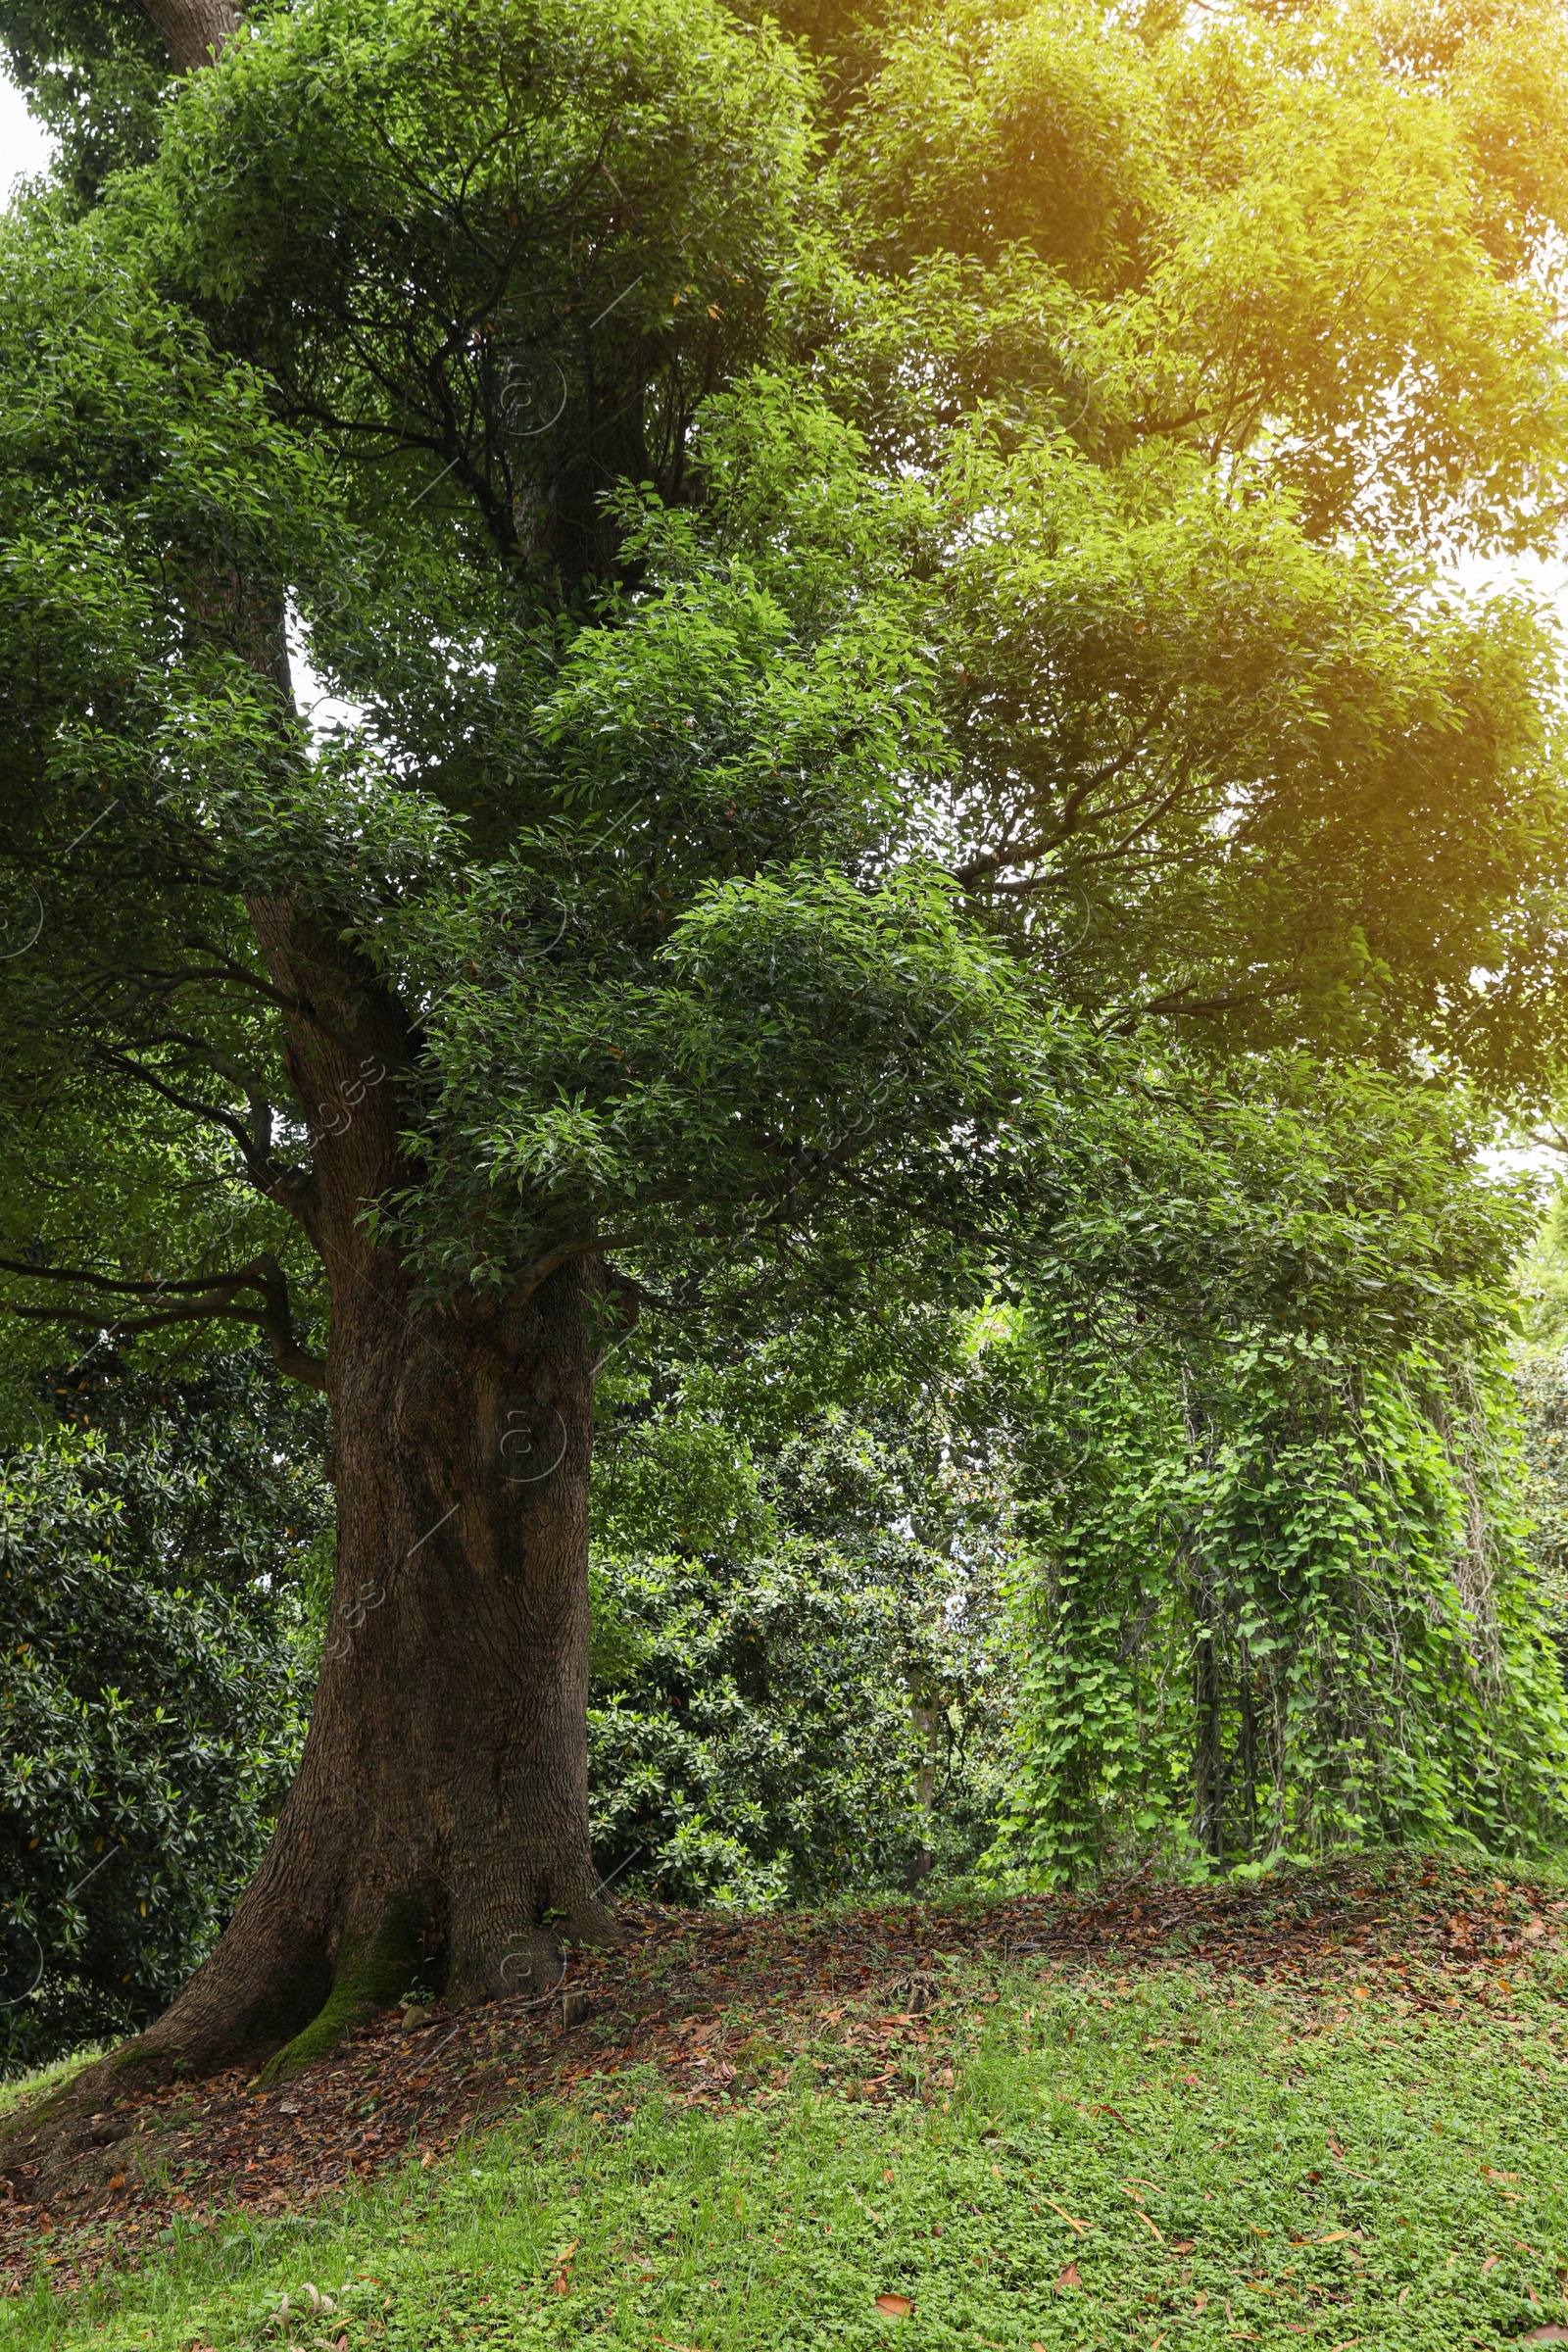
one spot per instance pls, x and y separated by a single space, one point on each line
1278 1626
1239 236
212 1470
1543 1280
156 1730
1217 672
1281 1596
490 239
800 1672
937 603
1540 1377
94 73
805 1693
676 1469
793 1727
1124 290
153 1690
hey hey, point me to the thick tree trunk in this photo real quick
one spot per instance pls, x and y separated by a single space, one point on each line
440 1816
437 1832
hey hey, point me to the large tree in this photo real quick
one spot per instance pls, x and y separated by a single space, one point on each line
864 572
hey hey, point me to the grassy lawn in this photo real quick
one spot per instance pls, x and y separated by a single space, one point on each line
1187 2160
44 2077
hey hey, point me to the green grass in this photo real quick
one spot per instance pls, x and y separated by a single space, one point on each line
44 2077
1345 2172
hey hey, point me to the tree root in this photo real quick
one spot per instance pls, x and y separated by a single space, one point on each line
71 2143
364 1982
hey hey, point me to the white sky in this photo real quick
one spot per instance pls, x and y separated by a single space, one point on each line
24 146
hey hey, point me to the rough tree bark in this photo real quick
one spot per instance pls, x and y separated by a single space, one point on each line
440 1815
193 31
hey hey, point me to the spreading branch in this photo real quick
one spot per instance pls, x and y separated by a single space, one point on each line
205 1299
987 863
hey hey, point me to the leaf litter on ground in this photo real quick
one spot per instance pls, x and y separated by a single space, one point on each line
1079 2015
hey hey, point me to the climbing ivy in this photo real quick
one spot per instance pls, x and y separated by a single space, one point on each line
1275 1601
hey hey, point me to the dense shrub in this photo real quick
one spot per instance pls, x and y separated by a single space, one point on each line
783 1728
152 1693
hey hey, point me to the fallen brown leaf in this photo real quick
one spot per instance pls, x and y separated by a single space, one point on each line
895 2307
442 2084
1068 2276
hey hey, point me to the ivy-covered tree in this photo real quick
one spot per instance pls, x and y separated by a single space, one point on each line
868 568
1275 1590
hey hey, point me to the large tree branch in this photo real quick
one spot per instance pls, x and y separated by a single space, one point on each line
1181 1001
1118 854
260 1171
1115 766
194 32
991 861
206 1298
292 1189
223 967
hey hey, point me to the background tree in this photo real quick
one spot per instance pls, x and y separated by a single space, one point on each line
772 804
1276 1591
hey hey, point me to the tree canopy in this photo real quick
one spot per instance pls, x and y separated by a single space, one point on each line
1041 618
